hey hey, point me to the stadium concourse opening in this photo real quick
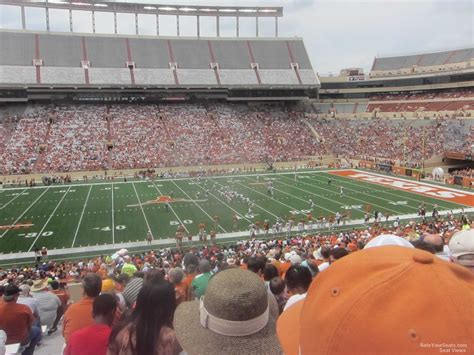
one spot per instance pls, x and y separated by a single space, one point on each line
215 195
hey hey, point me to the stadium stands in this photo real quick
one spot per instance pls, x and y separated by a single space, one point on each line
423 63
70 59
149 136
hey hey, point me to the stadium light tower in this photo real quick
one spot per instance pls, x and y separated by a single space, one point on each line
150 9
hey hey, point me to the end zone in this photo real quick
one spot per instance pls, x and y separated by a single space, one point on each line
442 193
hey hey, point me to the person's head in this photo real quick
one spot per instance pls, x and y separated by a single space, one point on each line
236 315
255 265
54 285
176 275
378 293
92 285
461 247
190 263
337 253
277 286
298 278
325 252
24 290
121 281
421 244
11 293
436 241
269 272
154 309
204 266
103 308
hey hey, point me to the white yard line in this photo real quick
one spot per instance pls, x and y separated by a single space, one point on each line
31 205
82 215
225 204
141 207
345 196
198 206
349 181
13 199
282 203
113 218
256 205
51 216
179 179
171 207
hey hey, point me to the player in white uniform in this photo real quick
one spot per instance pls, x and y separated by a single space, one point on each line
311 204
341 191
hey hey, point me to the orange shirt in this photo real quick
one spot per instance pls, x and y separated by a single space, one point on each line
62 295
77 316
15 320
187 284
284 268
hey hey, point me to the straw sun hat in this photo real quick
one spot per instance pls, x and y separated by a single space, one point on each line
236 315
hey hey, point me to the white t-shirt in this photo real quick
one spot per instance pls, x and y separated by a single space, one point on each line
323 266
293 299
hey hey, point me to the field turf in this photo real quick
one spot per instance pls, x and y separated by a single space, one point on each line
79 215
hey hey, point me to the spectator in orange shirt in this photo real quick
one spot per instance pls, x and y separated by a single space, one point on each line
16 320
94 339
79 315
176 276
190 262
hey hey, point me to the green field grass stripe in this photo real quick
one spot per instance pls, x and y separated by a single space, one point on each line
346 182
28 208
198 206
112 213
256 204
357 199
293 196
318 195
13 199
397 193
141 207
172 209
82 216
228 206
49 219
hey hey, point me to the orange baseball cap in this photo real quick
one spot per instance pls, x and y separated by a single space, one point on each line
385 300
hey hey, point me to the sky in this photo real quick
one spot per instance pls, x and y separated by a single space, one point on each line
337 33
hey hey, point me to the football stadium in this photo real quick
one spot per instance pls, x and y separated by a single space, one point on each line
216 193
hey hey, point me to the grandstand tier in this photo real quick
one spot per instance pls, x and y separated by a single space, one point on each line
423 63
31 59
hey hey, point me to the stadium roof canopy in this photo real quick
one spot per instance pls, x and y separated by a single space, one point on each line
148 9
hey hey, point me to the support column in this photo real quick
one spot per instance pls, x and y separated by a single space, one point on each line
237 28
115 23
177 25
218 26
136 23
276 26
157 25
23 18
47 18
71 26
198 27
256 26
93 21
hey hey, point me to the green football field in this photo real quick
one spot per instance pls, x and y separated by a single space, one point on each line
80 215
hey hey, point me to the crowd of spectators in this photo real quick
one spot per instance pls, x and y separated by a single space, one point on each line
95 137
224 299
396 140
